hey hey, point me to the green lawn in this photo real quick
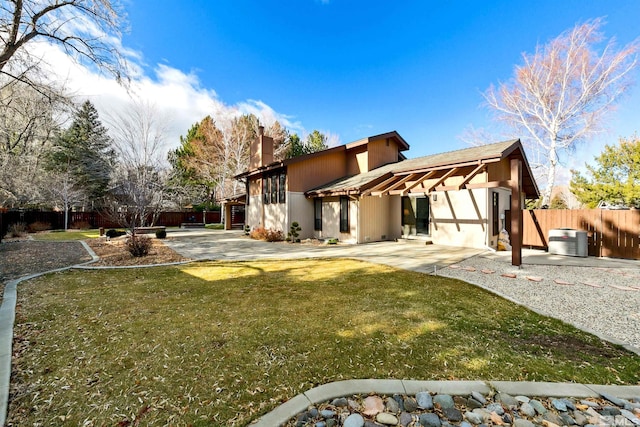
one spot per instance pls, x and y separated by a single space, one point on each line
222 343
58 235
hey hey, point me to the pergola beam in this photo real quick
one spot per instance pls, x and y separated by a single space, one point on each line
417 182
469 177
443 178
394 186
380 186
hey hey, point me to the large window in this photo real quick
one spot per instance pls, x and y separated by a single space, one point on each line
344 214
317 209
274 188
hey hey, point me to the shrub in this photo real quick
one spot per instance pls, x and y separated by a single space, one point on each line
138 246
34 227
161 234
247 230
294 232
19 229
269 235
81 225
111 233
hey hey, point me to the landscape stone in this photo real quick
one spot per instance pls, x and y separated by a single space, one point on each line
630 416
538 406
373 405
552 418
496 407
405 419
528 410
327 413
392 405
567 419
340 402
610 411
460 400
479 397
430 420
332 423
425 401
387 419
452 414
474 418
581 420
472 403
506 399
354 420
522 399
520 422
616 401
399 400
559 405
443 400
410 404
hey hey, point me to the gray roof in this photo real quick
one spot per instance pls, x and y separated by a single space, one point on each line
357 183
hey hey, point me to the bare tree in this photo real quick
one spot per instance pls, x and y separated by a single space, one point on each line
562 93
29 121
140 179
65 189
88 30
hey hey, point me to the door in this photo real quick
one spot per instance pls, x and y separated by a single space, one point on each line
422 215
415 215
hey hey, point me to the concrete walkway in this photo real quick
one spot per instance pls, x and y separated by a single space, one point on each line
202 244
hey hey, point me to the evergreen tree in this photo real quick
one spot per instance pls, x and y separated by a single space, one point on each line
614 179
85 151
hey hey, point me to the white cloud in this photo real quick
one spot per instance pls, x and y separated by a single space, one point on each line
174 93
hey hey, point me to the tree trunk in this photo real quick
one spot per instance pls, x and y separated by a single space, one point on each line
551 175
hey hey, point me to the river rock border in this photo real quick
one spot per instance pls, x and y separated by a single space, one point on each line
408 403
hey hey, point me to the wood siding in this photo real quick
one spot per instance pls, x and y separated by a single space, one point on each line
314 172
379 219
611 233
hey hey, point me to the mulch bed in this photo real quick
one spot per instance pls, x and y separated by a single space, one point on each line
18 259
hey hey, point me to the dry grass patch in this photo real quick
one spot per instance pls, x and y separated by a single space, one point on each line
114 253
222 343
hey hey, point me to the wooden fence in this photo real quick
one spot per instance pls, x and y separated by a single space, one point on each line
611 233
95 219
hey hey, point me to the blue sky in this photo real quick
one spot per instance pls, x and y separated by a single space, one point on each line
357 68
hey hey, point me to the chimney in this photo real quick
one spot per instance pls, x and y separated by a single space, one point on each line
261 150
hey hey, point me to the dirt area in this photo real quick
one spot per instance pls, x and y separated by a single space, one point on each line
23 257
113 253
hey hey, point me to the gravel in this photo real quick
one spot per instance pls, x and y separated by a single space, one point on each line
606 310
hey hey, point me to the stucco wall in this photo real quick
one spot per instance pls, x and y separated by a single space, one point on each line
460 218
331 220
301 211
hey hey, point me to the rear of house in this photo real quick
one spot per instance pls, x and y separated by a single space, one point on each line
368 191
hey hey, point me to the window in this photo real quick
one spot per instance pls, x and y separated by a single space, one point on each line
282 188
344 214
496 213
246 189
317 208
274 188
266 192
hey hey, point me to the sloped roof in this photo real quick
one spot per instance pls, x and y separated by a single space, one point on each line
448 160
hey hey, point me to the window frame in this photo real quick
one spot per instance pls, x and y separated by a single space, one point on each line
495 205
282 187
266 190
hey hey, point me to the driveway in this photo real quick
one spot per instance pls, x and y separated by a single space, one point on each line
202 244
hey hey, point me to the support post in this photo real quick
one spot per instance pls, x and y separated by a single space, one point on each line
516 212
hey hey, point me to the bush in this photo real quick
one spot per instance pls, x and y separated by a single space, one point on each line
161 234
81 225
269 235
111 233
34 227
294 232
138 246
19 229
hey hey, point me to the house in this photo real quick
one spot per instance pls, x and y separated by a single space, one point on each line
367 191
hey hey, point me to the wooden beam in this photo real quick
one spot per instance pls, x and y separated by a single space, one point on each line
443 178
439 168
379 186
419 181
469 177
491 184
516 212
394 186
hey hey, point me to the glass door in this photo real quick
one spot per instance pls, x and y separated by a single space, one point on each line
422 215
